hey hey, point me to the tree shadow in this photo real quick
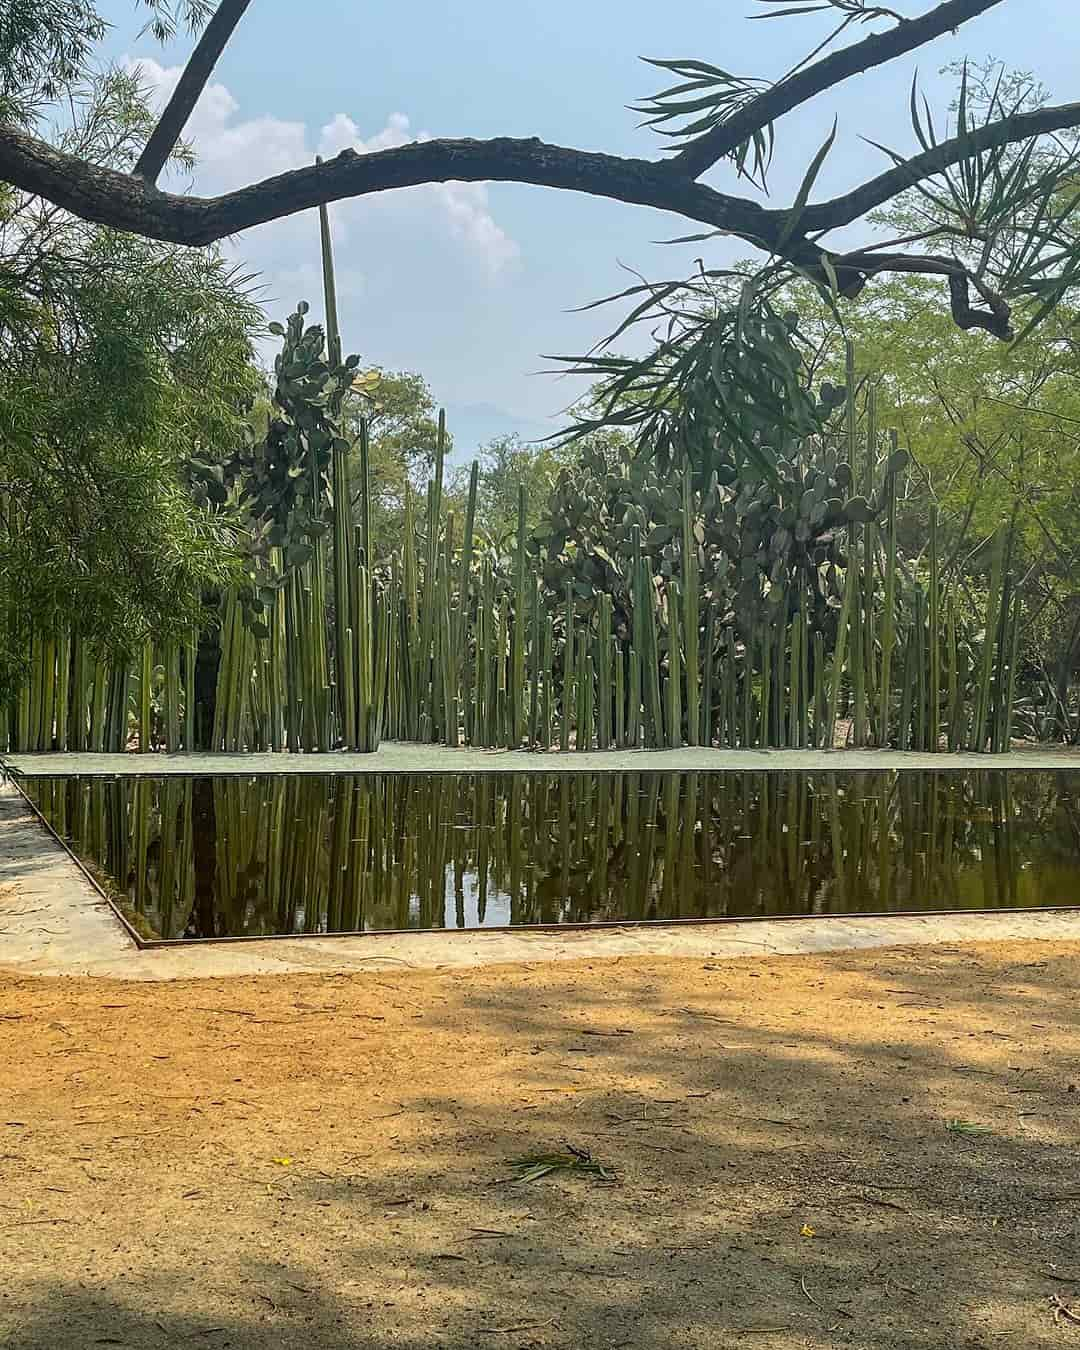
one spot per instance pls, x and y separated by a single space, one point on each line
902 1175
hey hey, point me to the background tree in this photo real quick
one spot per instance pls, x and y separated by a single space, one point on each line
507 464
403 432
994 439
123 360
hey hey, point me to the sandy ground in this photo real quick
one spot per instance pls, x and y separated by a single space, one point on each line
322 1161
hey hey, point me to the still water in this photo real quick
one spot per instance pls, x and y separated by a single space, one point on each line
219 857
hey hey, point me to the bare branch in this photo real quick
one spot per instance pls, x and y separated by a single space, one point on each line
127 202
192 82
876 50
859 266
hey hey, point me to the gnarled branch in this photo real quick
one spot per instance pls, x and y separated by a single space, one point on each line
130 203
127 202
995 318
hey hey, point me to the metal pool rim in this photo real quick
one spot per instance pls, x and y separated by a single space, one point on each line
149 944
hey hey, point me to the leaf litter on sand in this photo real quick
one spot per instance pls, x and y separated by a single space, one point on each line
533 1166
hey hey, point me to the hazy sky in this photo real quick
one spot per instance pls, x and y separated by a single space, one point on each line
472 285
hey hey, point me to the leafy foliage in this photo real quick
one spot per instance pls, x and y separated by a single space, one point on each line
280 481
1010 213
994 439
722 386
122 358
47 47
506 465
704 98
999 219
44 49
403 429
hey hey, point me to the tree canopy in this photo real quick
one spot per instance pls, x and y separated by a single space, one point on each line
124 359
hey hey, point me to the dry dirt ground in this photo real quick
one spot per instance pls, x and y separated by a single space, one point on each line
322 1161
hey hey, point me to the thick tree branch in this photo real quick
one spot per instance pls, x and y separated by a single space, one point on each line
130 203
876 50
192 82
854 205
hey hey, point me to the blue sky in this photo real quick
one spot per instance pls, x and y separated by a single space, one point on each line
472 285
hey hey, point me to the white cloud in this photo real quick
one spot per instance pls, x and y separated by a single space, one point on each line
341 133
233 151
463 206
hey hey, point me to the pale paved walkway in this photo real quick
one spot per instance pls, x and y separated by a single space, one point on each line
53 922
401 757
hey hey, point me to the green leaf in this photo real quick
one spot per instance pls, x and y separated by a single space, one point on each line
793 217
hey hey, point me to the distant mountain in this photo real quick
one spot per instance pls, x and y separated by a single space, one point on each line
473 425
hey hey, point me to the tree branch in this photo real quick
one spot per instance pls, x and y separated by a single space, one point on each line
853 205
192 82
132 202
876 50
861 265
127 202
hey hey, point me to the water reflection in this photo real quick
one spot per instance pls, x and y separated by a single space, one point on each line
243 856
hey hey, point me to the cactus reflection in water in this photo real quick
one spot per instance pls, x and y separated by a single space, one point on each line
310 853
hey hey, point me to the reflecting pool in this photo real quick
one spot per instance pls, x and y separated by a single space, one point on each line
212 857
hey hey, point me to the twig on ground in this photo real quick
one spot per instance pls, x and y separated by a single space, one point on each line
520 1326
872 1200
1063 1311
29 1223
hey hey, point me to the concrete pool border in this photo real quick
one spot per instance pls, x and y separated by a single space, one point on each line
399 757
71 928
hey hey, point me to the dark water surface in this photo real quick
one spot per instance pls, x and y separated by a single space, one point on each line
244 856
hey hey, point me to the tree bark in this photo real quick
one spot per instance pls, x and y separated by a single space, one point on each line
126 202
